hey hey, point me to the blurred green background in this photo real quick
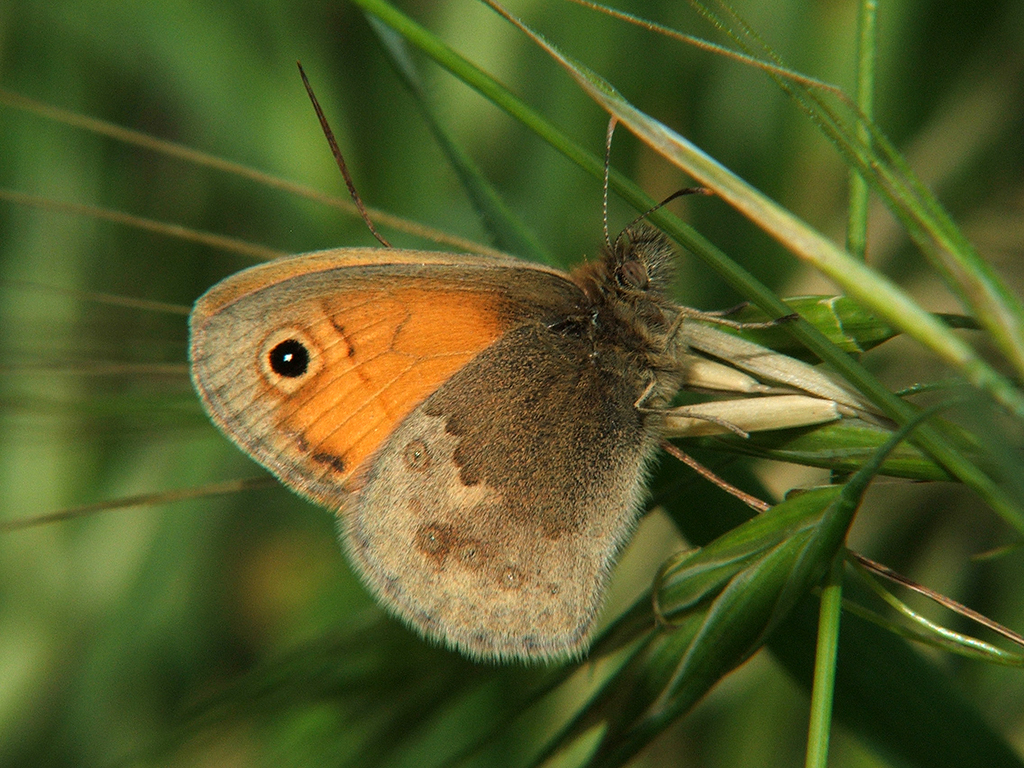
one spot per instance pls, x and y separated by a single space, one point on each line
114 628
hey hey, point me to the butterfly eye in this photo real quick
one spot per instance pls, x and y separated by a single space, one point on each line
632 274
289 359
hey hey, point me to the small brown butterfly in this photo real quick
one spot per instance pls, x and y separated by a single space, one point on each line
481 425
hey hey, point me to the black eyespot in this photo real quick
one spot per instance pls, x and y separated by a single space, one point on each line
289 358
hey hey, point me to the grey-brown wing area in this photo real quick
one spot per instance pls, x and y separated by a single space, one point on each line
491 517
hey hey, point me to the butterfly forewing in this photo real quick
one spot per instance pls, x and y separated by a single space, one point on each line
378 339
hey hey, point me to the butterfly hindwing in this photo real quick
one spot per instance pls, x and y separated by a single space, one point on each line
493 527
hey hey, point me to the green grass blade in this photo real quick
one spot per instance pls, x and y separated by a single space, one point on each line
508 232
867 40
927 222
825 668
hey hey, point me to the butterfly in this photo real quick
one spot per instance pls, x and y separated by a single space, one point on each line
482 426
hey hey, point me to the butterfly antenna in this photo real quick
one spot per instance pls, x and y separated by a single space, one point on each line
663 203
340 159
607 171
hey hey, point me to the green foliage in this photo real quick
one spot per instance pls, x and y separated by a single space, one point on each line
229 629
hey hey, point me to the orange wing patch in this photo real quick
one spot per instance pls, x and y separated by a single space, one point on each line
383 353
309 363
